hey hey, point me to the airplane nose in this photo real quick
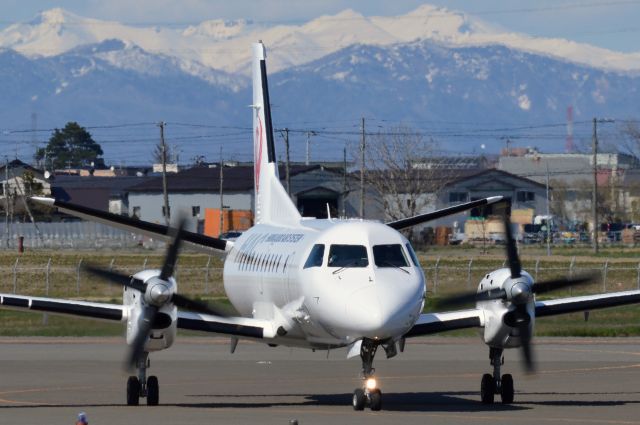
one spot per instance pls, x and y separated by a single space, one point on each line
363 311
383 309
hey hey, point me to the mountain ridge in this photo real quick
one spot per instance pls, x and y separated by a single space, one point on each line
224 45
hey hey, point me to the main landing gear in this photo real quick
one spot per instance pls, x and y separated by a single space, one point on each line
370 394
496 384
141 386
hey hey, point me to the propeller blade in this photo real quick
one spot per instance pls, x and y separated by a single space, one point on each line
116 278
144 329
197 306
561 283
470 297
172 251
527 352
512 250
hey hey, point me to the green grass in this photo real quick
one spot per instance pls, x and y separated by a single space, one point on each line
18 323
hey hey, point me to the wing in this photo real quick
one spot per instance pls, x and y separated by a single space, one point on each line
431 323
587 302
421 218
110 312
243 327
158 231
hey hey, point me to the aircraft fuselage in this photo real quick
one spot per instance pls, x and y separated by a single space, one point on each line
336 281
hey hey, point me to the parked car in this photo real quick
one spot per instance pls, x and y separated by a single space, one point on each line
231 235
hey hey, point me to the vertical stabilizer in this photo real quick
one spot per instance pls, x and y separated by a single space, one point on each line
272 204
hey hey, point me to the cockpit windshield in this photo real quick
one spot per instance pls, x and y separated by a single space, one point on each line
315 257
390 255
348 256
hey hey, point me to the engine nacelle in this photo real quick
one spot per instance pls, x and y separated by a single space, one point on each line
500 315
165 325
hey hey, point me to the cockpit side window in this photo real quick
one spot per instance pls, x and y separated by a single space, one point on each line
389 256
348 256
413 255
315 257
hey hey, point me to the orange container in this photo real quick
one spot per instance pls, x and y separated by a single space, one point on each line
231 220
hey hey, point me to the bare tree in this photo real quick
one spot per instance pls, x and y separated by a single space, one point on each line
404 171
630 138
157 154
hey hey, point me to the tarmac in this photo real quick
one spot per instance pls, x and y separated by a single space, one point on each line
435 381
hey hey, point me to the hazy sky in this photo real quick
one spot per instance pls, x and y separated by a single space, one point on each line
614 24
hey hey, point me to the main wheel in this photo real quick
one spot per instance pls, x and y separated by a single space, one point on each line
153 391
359 399
506 390
375 400
133 391
487 388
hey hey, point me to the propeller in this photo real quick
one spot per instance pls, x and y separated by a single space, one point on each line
156 292
519 293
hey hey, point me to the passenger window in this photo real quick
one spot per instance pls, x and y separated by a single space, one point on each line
389 256
315 257
413 255
348 256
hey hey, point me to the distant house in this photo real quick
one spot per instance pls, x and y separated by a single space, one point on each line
20 179
470 185
525 194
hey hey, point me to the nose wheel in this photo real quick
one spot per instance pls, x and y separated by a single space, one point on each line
370 395
141 386
364 397
496 384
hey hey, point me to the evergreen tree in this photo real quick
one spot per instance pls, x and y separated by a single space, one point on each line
72 146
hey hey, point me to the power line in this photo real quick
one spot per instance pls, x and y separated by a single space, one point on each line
254 22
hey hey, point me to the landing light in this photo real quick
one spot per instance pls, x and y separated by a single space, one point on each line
371 384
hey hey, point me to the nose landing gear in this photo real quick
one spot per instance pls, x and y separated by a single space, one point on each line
141 386
496 384
370 394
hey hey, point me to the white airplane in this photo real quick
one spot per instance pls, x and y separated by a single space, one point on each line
313 283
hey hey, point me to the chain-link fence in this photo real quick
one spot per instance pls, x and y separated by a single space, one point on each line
65 276
60 275
446 275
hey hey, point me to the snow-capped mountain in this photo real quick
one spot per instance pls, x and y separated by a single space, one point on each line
224 45
427 67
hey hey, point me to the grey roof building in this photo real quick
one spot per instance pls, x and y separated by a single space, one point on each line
104 193
193 190
568 168
572 177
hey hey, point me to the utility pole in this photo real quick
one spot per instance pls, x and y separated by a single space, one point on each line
548 216
594 195
285 134
594 199
221 193
507 142
167 212
344 183
6 199
362 149
309 134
